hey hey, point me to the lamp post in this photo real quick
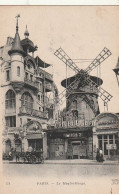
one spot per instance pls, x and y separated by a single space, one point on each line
116 70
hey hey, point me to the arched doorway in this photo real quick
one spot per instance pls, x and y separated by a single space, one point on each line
7 146
18 145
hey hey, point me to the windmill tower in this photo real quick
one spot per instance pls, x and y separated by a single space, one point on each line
82 102
82 90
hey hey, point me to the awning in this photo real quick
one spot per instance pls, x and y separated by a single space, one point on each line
41 63
106 132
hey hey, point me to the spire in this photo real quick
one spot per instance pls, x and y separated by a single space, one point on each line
116 69
26 33
18 16
16 47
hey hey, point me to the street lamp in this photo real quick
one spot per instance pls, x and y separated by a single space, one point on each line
116 70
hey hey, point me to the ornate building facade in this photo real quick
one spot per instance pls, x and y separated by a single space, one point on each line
27 109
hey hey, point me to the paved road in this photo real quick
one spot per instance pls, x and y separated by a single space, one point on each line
60 170
60 178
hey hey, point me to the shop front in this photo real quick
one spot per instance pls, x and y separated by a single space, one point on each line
35 138
69 143
106 135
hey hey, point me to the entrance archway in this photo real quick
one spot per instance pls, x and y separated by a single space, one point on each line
18 145
7 146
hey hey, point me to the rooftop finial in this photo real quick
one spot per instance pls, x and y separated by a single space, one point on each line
26 33
18 16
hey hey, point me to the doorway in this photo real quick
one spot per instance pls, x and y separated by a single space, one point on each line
8 146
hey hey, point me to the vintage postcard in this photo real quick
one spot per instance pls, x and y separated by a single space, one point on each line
59 70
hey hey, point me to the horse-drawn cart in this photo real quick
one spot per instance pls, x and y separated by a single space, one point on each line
30 157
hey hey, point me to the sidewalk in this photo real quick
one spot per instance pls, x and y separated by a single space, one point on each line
71 162
81 162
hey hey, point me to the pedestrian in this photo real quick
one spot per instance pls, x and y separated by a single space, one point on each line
98 155
101 155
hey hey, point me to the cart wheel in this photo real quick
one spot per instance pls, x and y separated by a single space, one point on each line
42 160
33 159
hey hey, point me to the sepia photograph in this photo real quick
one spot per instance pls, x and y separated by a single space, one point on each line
59 83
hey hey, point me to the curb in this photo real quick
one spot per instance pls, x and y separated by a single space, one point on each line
67 163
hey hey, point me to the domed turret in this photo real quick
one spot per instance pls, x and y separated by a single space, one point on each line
17 60
16 47
27 44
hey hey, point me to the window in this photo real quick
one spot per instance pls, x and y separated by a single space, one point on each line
27 100
75 104
10 121
40 86
26 75
28 120
10 100
18 71
7 75
20 121
31 77
39 97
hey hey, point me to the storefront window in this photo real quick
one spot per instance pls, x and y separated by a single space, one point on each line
108 143
105 148
105 137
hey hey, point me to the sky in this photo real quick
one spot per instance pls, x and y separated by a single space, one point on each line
82 31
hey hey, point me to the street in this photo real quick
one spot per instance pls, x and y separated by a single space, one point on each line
61 170
61 177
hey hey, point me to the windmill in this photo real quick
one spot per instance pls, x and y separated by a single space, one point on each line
82 79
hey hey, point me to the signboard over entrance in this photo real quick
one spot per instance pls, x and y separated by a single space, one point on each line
111 146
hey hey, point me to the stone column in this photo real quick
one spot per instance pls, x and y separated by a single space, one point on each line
24 144
65 147
45 146
95 145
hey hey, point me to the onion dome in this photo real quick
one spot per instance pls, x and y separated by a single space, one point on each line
26 33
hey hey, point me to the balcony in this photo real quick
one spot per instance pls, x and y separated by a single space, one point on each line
32 112
48 87
44 75
10 111
32 84
48 102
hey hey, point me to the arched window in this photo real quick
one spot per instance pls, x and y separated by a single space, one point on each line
18 71
75 104
27 100
10 101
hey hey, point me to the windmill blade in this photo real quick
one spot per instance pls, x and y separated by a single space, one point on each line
88 101
60 53
69 89
83 75
103 94
104 54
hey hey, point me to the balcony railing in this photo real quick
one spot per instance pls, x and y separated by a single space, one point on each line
31 83
10 110
32 112
43 74
48 86
48 101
